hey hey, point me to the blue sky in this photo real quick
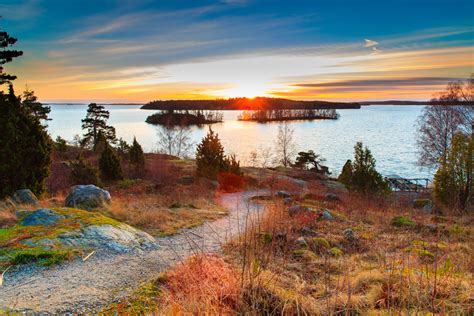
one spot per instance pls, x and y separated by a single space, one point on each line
126 50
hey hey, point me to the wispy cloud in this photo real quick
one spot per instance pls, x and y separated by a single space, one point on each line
370 43
20 11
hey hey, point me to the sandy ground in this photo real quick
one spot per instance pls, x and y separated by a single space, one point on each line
85 287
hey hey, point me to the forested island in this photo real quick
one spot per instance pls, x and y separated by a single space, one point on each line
246 104
269 115
186 118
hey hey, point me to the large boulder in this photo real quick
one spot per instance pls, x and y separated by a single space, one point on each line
41 217
116 238
25 196
88 197
283 194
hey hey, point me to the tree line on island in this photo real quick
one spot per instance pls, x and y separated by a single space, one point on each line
445 139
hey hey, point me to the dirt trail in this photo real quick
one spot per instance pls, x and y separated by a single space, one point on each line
81 287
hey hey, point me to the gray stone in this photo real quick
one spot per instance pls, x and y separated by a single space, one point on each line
349 234
428 208
327 215
298 209
283 194
300 241
332 197
288 201
121 238
25 196
42 217
88 197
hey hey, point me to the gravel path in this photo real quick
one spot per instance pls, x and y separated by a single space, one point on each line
82 287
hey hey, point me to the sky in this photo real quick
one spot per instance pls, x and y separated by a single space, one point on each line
142 50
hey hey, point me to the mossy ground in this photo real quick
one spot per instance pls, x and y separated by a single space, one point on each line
14 251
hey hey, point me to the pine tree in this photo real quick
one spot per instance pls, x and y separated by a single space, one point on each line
82 172
7 55
25 150
453 181
96 123
365 178
137 158
109 164
346 174
33 106
210 158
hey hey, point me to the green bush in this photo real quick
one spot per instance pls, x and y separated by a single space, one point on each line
82 172
210 158
109 164
137 158
361 175
453 181
402 221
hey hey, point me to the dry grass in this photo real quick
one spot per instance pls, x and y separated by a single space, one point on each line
161 214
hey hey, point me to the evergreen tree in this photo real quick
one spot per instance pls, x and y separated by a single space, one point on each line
25 150
82 172
60 144
95 124
365 178
346 174
210 158
309 161
232 165
137 158
109 164
33 106
453 181
7 55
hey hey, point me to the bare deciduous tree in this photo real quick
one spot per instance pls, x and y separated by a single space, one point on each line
175 141
451 111
285 145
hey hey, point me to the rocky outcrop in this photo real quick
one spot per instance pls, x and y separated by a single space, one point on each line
88 197
121 238
78 229
25 197
41 217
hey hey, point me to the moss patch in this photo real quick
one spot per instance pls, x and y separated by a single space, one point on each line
22 244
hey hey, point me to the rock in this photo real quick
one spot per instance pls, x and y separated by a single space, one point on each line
20 214
332 197
297 209
42 217
428 208
349 234
300 241
421 203
432 227
288 201
25 196
327 215
283 194
120 238
187 180
88 197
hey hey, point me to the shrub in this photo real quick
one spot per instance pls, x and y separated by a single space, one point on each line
82 172
60 144
361 175
109 164
230 182
453 181
402 221
137 158
210 158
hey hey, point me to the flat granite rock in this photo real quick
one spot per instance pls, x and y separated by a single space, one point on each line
43 217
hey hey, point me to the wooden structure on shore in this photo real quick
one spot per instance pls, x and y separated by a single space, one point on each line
400 184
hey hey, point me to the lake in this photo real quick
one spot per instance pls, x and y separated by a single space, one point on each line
388 131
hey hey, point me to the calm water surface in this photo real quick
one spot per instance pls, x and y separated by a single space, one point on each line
389 132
